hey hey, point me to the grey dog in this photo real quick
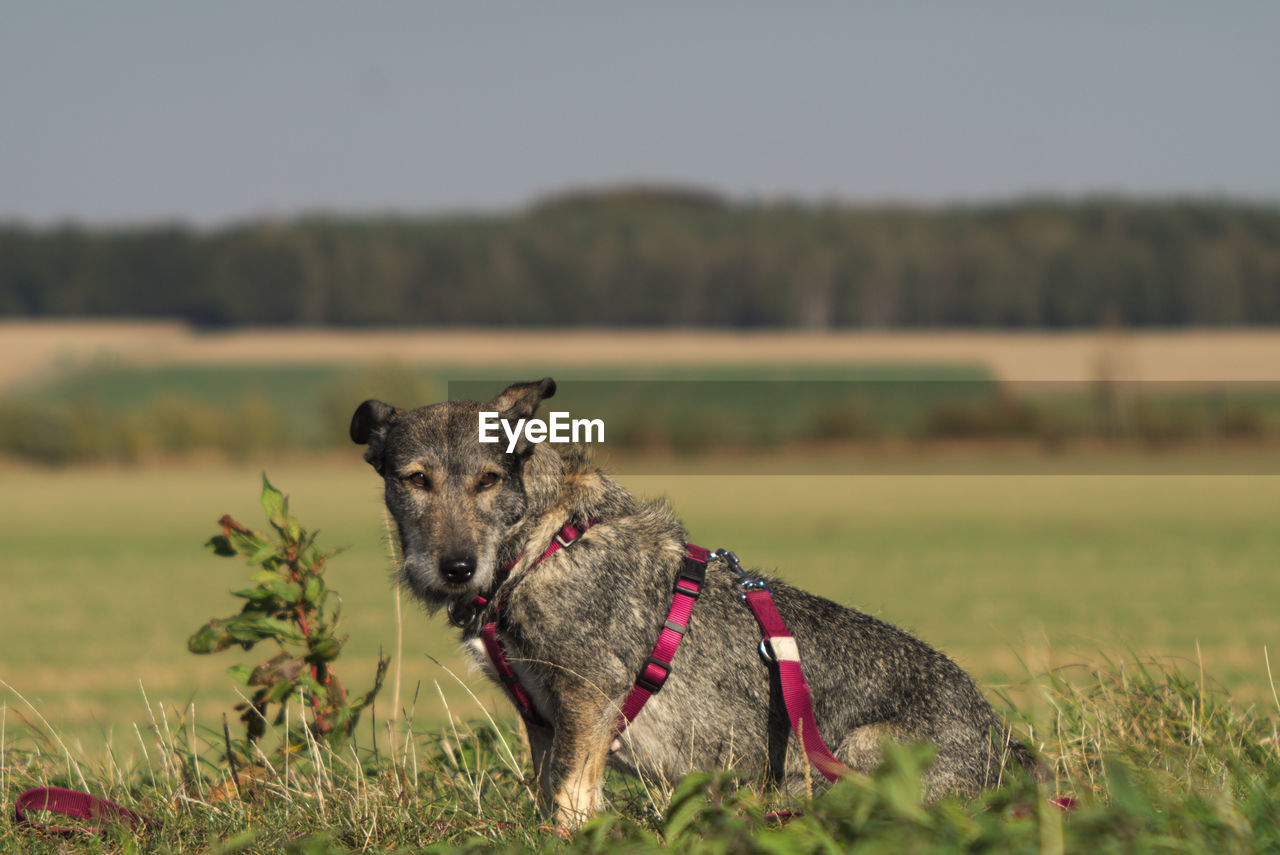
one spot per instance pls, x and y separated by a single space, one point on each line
579 626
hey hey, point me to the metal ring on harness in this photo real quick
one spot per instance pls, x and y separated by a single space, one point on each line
460 614
766 652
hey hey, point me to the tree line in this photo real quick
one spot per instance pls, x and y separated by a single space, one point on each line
655 257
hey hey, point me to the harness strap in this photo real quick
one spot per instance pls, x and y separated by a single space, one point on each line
795 689
655 671
653 676
510 682
489 632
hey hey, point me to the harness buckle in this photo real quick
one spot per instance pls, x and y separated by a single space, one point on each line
652 686
692 593
578 531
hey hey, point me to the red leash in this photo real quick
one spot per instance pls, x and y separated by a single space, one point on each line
78 806
781 646
795 689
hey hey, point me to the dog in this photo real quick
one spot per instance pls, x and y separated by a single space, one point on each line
577 627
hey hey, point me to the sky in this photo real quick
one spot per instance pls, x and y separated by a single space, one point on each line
209 113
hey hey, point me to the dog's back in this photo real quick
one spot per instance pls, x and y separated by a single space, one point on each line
870 681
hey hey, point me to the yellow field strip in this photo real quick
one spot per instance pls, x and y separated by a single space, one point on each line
28 349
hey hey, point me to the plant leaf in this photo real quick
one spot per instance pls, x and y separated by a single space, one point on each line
240 673
325 650
275 505
210 638
277 629
220 544
282 666
289 592
259 596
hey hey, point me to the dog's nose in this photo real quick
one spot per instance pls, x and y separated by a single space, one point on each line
458 568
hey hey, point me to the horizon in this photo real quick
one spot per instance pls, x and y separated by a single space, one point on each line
531 206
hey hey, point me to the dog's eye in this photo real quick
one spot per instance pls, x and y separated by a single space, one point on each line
419 480
487 480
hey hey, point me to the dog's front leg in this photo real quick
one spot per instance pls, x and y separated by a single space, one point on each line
579 750
541 740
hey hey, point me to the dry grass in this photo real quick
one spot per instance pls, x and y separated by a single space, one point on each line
1155 761
30 349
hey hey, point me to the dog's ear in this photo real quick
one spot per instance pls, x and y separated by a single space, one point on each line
369 427
520 400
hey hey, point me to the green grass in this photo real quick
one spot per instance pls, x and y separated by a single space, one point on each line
300 386
104 578
1154 761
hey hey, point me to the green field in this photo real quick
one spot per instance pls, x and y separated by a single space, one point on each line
104 575
130 413
1014 557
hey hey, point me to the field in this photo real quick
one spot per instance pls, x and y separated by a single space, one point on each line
997 570
1087 561
96 393
38 349
1009 574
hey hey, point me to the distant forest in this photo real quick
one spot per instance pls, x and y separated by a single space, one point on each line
660 257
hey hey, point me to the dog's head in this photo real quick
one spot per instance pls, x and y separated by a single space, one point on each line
453 497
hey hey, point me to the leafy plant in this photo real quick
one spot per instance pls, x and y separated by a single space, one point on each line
289 605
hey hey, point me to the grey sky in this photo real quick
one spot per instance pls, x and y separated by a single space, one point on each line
215 111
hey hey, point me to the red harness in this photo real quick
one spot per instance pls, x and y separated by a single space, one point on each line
655 671
779 643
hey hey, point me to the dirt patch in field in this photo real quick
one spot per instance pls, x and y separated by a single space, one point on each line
28 350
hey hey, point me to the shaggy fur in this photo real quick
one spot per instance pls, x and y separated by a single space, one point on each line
579 626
